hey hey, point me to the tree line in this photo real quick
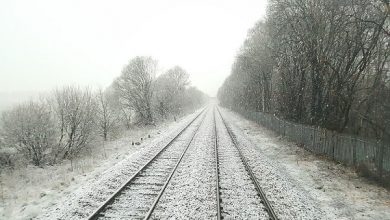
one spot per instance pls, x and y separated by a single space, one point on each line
61 125
319 62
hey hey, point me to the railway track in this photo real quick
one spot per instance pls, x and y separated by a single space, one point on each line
227 197
238 193
137 198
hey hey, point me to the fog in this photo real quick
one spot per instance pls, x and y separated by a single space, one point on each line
46 44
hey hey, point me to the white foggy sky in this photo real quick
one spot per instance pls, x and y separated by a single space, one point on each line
46 43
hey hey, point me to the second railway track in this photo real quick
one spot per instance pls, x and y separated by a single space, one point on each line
239 194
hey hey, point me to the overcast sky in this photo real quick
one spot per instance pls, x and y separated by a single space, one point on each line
46 43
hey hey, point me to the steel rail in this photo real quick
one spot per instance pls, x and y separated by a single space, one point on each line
97 213
259 190
217 168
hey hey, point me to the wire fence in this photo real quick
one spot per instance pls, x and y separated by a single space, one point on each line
370 157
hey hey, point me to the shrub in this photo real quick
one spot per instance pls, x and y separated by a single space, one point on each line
29 129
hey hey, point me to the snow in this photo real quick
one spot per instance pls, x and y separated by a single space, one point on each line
337 190
57 192
299 185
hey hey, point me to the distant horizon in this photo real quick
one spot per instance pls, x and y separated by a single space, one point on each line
8 99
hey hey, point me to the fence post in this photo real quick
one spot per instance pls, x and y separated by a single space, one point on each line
353 151
334 144
326 145
314 139
380 162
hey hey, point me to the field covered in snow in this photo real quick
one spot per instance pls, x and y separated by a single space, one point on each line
298 184
338 190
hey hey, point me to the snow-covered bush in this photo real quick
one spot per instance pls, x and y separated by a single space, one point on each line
29 129
7 157
5 152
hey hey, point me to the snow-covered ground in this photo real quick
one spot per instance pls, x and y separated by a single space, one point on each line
337 190
298 184
55 190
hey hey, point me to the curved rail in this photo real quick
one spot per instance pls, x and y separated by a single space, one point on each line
111 199
259 190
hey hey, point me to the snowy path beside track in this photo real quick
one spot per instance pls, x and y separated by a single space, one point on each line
289 200
337 190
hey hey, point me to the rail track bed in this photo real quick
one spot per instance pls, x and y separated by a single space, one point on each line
200 174
191 192
203 168
213 181
239 196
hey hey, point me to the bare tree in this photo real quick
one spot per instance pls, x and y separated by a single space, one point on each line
74 110
194 98
29 128
121 110
135 87
169 92
106 117
320 62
